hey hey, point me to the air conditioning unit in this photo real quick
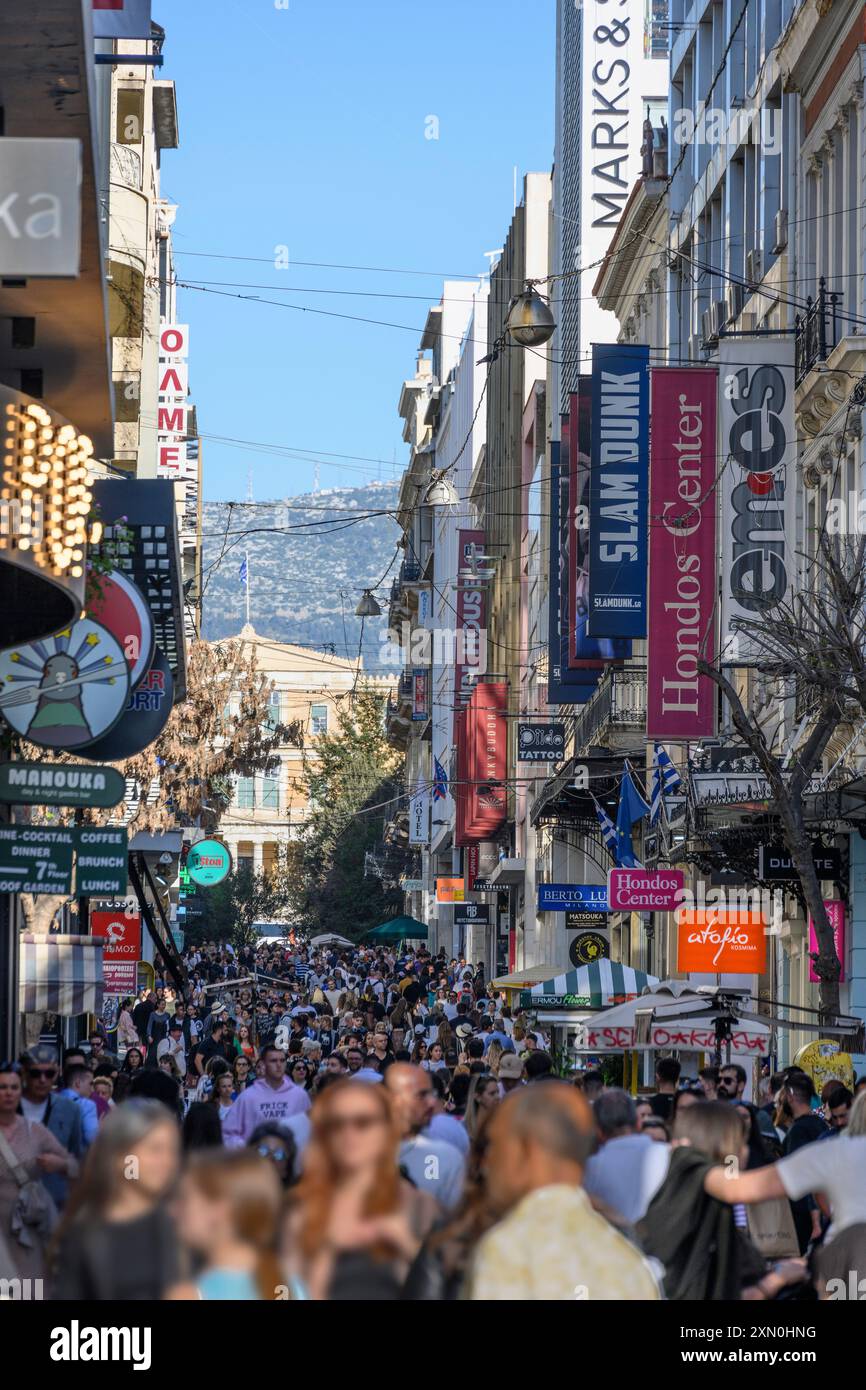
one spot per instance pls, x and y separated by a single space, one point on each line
754 267
734 296
712 320
781 237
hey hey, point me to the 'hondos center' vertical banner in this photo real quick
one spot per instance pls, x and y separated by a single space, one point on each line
682 552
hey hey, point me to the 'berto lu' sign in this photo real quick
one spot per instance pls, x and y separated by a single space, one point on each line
645 890
209 862
562 897
758 493
618 491
47 784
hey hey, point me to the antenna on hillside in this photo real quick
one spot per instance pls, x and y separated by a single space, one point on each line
250 497
316 478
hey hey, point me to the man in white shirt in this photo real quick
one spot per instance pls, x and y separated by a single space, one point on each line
442 1125
629 1168
450 1006
433 1165
173 1046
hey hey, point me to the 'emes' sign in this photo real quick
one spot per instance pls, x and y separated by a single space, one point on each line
758 455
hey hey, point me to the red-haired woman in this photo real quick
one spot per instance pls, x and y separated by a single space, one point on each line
355 1225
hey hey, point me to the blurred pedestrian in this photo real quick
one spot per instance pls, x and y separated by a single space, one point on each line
276 1143
116 1240
228 1217
540 1139
354 1225
28 1152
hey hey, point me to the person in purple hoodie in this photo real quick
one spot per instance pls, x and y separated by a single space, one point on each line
273 1099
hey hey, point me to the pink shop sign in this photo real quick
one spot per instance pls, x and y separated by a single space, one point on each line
644 890
836 915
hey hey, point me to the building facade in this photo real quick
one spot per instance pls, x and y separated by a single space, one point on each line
268 810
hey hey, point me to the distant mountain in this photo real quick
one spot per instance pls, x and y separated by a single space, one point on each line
302 551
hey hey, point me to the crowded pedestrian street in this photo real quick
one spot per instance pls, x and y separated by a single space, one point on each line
433 674
376 1124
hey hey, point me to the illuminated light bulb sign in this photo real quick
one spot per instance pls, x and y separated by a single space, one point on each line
45 494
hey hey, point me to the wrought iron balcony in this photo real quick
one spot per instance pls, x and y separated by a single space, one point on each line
815 331
618 705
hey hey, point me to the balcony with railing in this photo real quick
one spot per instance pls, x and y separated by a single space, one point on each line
400 600
616 711
829 357
816 330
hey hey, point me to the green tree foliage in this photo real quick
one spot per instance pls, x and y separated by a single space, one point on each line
233 907
347 775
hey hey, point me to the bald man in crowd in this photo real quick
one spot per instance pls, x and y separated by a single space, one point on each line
550 1243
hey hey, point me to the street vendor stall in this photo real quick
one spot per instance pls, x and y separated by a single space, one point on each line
660 1019
674 1017
569 1002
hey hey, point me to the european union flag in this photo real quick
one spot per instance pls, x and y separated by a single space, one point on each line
632 808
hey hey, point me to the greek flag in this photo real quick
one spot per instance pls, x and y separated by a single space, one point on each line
608 829
666 779
440 781
244 571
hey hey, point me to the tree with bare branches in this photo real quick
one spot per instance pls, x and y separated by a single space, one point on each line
812 646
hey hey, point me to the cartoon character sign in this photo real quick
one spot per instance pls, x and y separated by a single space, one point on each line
65 690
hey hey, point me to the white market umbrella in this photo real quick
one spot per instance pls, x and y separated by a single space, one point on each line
330 938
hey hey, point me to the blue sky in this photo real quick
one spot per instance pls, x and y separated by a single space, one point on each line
305 127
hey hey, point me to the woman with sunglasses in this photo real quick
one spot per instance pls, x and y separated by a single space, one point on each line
299 1072
355 1225
276 1143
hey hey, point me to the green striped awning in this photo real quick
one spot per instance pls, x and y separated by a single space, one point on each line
595 986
